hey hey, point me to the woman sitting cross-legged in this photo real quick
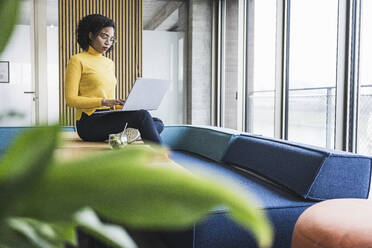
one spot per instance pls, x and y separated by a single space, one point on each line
90 87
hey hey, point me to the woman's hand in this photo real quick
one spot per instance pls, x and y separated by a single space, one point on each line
112 102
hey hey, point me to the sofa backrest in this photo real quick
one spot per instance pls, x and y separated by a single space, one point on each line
206 141
312 172
8 134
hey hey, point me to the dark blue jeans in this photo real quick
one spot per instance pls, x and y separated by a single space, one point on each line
98 126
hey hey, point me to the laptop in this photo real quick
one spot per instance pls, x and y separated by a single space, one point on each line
146 94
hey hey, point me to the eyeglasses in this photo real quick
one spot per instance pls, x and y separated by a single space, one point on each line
106 37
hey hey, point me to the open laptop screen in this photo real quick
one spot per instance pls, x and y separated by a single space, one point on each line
146 94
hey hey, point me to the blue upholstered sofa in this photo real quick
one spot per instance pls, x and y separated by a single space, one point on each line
287 178
7 134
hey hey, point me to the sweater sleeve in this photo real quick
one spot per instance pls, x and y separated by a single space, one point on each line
73 76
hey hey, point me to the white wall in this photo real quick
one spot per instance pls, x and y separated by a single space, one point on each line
163 59
12 97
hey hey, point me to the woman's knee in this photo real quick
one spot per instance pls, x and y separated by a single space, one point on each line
158 124
141 117
143 113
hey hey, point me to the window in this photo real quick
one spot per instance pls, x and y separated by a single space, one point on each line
297 52
364 142
312 72
261 37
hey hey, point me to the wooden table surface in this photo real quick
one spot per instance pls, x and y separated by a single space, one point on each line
72 147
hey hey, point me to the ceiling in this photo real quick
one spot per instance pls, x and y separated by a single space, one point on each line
159 15
163 12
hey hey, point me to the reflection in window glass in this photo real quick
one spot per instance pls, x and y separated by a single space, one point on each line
163 52
312 72
261 82
364 143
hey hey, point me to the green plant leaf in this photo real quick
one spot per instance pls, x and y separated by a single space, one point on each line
65 231
24 163
132 186
43 234
11 239
110 234
8 18
47 235
56 235
39 234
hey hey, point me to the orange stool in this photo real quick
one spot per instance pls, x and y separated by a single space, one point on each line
339 223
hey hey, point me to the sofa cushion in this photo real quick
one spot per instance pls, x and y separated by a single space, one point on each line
268 194
206 141
312 172
282 207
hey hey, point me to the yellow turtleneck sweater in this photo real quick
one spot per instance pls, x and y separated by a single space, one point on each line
90 77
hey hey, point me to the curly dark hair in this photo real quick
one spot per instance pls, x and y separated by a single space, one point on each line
92 23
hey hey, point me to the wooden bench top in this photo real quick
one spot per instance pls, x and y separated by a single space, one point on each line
73 146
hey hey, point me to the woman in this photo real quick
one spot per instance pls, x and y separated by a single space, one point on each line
90 87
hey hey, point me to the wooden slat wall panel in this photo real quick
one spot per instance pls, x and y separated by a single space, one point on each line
127 53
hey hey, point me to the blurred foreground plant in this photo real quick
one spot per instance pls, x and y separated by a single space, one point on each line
9 10
44 200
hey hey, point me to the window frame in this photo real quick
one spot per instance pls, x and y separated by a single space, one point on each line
347 71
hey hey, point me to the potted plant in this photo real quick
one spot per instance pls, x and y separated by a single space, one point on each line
44 199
